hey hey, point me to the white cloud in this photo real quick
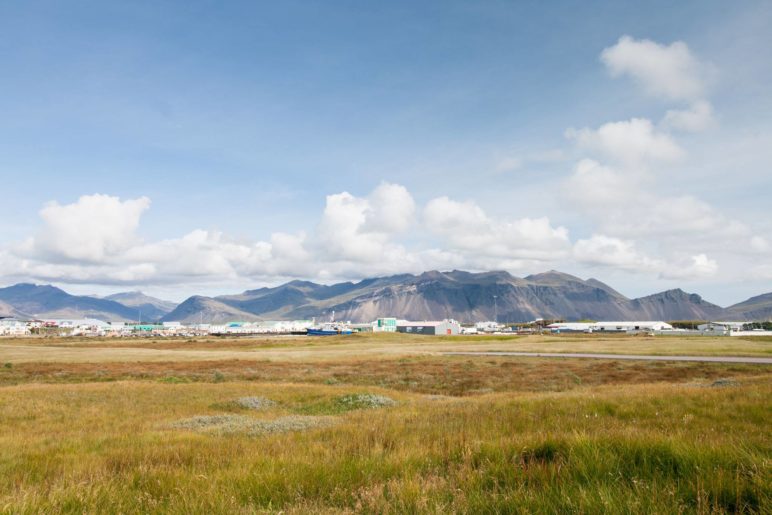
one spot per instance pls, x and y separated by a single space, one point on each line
360 229
90 230
353 240
622 192
697 118
614 252
601 191
622 254
355 237
636 205
390 209
669 71
699 266
629 142
466 227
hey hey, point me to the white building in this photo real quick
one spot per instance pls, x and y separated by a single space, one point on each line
721 327
590 327
488 327
385 325
571 327
12 327
648 325
264 327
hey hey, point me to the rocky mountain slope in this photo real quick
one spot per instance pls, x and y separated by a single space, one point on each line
465 296
755 308
149 308
198 309
461 295
8 311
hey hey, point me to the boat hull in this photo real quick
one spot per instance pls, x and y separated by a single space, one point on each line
324 332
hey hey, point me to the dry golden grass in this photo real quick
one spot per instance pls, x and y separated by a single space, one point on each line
111 448
302 348
95 432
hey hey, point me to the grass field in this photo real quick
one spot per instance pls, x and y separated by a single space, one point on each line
263 429
302 348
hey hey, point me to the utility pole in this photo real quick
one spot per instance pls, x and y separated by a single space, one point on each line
495 309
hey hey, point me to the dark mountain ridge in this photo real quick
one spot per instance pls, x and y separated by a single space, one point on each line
465 296
51 302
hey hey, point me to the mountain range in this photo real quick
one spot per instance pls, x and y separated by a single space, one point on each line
465 296
26 300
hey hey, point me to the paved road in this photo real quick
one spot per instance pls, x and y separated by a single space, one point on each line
639 357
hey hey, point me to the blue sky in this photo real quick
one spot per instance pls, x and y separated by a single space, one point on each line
242 119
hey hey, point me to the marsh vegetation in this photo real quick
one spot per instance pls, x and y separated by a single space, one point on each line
407 433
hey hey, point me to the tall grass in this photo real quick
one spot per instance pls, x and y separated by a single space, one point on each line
112 448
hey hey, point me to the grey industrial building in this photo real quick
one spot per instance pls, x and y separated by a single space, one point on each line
444 327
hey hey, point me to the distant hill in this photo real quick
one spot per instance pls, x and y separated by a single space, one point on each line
755 308
676 305
204 309
50 302
8 311
149 308
464 296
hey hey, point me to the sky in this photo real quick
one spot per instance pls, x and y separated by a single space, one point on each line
205 147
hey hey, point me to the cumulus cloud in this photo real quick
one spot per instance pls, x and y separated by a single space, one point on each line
602 192
669 71
614 252
390 209
90 230
625 204
697 118
623 254
699 266
466 227
617 184
360 229
629 142
356 236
